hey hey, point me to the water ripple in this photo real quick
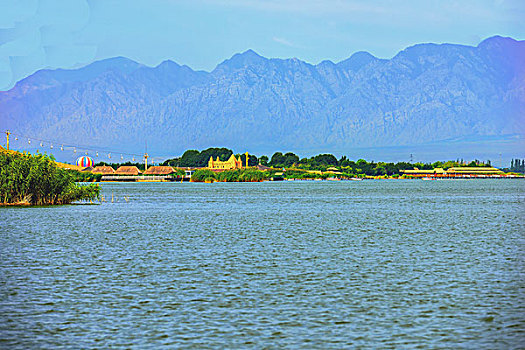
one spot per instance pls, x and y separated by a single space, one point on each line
378 264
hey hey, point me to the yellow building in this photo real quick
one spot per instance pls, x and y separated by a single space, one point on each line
232 163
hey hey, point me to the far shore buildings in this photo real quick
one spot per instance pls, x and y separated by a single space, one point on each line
455 172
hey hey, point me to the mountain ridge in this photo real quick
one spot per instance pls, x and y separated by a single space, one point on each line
425 93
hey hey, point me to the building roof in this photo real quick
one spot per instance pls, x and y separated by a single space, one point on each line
103 169
431 171
159 170
455 171
263 167
127 170
69 166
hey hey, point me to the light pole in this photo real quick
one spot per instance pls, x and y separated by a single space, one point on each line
7 133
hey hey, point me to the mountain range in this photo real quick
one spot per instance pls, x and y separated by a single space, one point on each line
428 94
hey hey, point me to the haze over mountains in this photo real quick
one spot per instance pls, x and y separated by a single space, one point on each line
448 96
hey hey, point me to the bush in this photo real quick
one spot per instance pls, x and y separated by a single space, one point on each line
37 180
238 175
251 175
228 176
85 176
202 175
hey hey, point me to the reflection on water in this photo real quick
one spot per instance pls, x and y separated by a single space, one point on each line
396 264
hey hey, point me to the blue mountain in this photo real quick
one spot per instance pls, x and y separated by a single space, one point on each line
426 94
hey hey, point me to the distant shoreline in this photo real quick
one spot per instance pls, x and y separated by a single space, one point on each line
329 180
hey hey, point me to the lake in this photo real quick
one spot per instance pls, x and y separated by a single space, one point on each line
370 264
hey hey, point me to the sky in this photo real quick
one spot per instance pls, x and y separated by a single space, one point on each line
37 34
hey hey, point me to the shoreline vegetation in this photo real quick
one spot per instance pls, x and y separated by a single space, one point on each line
36 180
289 166
236 175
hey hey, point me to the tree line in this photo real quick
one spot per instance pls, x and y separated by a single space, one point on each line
320 162
194 158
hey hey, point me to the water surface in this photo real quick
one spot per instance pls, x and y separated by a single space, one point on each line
389 264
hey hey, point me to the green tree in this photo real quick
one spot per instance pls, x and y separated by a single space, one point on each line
252 159
290 159
264 160
277 159
190 158
222 153
326 159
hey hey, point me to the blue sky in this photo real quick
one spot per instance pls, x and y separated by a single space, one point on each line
36 34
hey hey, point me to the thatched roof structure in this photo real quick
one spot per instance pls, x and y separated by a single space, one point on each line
103 169
69 166
127 170
159 170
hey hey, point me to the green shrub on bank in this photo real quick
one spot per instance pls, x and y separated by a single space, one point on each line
36 180
304 175
228 176
178 173
202 174
84 176
238 175
251 175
